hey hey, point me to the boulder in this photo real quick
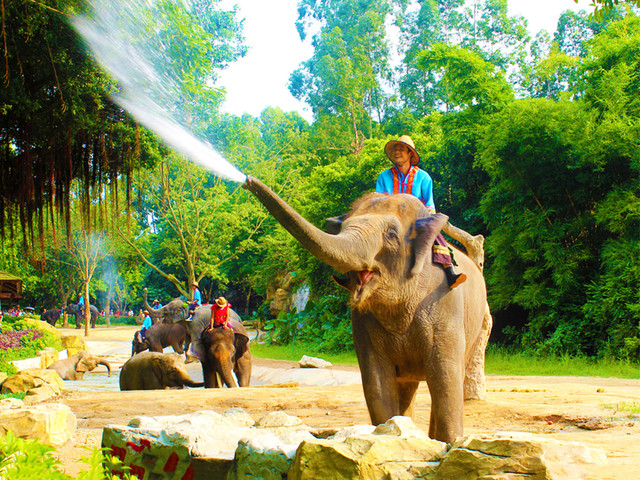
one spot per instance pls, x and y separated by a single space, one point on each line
73 344
369 456
201 445
50 423
28 379
517 455
48 356
313 362
266 456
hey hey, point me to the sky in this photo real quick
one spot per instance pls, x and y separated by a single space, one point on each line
260 79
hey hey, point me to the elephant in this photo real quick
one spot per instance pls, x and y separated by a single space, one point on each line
77 311
225 351
407 325
74 367
51 316
176 311
159 336
155 371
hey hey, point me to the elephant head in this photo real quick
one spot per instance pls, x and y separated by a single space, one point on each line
408 326
87 362
173 312
74 367
224 351
383 243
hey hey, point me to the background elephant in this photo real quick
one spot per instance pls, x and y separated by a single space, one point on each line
51 316
74 309
407 324
74 367
159 336
225 351
155 371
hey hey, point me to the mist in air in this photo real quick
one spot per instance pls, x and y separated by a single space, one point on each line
120 36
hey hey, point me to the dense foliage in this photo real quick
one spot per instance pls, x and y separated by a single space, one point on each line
532 142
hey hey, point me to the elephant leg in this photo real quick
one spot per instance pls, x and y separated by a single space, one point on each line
178 348
407 395
445 379
378 377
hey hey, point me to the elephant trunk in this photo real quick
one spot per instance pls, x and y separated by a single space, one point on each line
147 307
339 251
106 364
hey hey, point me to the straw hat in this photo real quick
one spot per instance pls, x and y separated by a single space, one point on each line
404 140
146 312
195 284
221 302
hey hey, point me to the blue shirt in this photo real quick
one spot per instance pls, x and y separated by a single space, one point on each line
146 323
81 300
197 297
422 186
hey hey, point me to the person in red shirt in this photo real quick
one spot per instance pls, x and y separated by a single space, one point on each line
220 314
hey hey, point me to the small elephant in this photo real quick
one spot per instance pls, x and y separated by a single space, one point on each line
159 336
225 351
74 367
51 316
155 371
78 312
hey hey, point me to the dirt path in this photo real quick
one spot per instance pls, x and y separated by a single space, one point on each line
564 408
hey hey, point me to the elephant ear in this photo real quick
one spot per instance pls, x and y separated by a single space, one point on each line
427 229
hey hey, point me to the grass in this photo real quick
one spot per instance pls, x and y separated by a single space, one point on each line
295 353
497 362
500 362
630 408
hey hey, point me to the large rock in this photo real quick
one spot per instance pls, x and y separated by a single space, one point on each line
73 344
517 455
199 445
207 445
50 423
398 453
266 456
31 378
313 362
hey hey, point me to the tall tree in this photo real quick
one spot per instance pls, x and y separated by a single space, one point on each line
343 77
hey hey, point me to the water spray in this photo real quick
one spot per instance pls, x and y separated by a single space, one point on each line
143 92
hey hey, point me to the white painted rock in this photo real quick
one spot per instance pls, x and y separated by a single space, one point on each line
313 362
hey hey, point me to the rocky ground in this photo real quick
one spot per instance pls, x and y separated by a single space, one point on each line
564 408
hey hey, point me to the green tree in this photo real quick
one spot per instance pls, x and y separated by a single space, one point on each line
342 79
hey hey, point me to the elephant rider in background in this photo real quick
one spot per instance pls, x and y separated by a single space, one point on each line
220 314
196 302
406 177
156 304
146 323
81 304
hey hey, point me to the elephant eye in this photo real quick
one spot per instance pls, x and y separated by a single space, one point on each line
391 235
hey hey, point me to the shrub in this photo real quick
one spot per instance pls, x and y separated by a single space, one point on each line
22 459
19 340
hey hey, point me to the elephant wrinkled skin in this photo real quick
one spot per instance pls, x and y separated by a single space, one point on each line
74 367
155 371
408 326
159 336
